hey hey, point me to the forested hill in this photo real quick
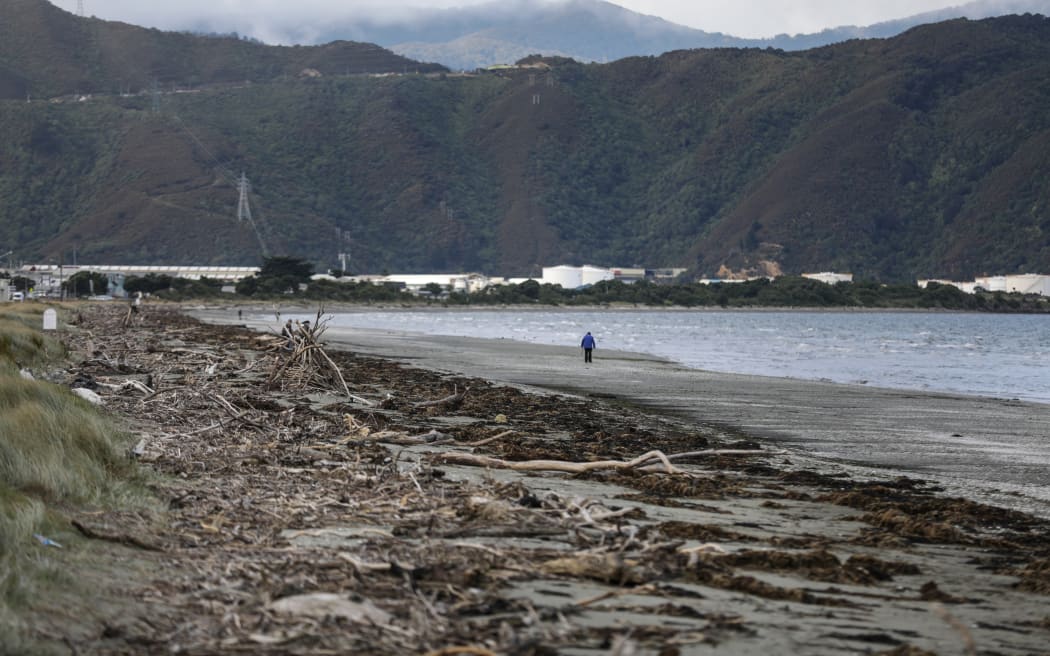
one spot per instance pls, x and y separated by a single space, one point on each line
47 52
923 155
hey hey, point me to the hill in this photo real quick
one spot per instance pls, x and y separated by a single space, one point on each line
925 155
488 33
47 52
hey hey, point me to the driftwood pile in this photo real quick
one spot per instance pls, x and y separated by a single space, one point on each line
302 362
319 502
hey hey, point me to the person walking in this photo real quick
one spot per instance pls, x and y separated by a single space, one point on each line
588 345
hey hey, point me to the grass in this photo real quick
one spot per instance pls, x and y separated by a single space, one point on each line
58 455
22 341
56 446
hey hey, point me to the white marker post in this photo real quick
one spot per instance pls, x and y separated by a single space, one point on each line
50 319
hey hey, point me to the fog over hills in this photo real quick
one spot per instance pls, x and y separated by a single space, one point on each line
502 32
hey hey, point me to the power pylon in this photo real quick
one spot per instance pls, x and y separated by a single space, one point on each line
80 8
244 210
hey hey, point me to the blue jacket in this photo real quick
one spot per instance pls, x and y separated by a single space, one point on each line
588 341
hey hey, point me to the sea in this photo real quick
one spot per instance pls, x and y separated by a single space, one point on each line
996 355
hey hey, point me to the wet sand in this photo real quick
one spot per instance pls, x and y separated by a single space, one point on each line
993 450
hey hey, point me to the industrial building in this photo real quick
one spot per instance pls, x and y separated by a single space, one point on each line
223 273
418 282
829 278
48 278
1025 283
574 277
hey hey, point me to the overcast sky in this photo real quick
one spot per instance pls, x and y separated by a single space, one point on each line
743 18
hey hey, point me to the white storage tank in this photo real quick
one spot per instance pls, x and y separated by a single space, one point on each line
992 283
1029 283
591 274
564 276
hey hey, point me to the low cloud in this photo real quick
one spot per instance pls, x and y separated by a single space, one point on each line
304 21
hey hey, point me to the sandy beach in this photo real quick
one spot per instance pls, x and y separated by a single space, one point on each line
992 450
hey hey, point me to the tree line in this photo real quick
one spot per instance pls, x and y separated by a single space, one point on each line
286 277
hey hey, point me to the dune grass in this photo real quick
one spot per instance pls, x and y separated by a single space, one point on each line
22 340
56 446
58 454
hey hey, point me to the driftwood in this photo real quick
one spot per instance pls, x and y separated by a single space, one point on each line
261 499
97 533
403 439
128 384
453 399
309 361
641 462
467 651
490 440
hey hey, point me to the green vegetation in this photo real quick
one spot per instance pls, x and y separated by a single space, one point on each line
896 159
22 343
782 292
786 291
172 289
57 454
277 275
86 283
359 292
48 52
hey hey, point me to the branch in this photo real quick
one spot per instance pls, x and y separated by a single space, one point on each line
456 458
642 461
453 399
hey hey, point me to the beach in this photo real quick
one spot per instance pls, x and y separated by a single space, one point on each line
443 497
991 449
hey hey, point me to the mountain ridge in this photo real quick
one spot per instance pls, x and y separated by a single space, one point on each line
480 35
46 52
925 155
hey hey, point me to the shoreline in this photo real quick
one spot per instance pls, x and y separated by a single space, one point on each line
989 449
299 519
974 382
345 307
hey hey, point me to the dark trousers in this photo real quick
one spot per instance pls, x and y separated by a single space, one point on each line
587 355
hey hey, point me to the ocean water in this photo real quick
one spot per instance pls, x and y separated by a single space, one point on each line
1004 356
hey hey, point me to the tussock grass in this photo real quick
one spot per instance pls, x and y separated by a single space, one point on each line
57 446
22 340
20 516
58 454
